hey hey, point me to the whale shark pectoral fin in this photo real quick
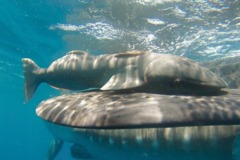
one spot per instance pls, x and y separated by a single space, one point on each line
126 78
80 152
54 149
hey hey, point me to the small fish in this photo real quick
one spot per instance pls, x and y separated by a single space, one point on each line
131 70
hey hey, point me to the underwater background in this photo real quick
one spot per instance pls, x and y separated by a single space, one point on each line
202 30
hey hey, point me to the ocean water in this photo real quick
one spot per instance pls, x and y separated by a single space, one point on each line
202 30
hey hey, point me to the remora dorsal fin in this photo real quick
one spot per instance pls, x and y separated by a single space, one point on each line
125 79
78 52
133 53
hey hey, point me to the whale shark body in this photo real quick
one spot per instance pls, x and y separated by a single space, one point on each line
185 143
131 70
109 110
127 118
106 125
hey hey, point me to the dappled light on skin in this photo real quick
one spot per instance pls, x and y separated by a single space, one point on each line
117 121
205 141
135 70
120 110
120 125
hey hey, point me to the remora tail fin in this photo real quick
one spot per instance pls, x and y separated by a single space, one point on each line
31 81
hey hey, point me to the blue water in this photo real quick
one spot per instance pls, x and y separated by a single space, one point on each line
45 30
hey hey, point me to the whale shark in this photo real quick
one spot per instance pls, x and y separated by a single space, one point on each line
144 126
184 143
130 70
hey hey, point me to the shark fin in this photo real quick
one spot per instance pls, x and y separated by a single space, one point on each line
31 81
80 152
126 78
55 147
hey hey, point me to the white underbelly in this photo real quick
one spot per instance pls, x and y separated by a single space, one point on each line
180 143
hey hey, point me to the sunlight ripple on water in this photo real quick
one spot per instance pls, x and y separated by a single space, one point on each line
200 30
203 30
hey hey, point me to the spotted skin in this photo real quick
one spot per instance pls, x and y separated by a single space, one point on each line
114 125
136 125
197 142
137 110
